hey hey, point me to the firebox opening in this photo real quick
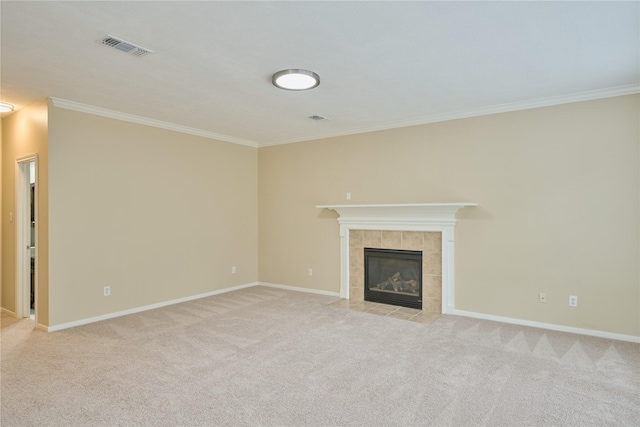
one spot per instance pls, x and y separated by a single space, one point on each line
393 277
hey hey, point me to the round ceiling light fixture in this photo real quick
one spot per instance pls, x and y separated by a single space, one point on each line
295 79
5 108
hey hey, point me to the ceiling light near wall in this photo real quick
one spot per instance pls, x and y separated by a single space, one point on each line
295 79
5 108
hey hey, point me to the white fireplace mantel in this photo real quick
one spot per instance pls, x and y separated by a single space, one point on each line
438 217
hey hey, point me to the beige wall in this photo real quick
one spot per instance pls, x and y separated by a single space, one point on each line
559 202
159 215
1 213
154 214
24 133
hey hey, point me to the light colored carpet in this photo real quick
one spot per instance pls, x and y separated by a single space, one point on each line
263 356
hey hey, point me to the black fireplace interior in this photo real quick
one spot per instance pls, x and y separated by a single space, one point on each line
393 277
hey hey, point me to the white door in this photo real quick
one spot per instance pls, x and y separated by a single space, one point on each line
26 235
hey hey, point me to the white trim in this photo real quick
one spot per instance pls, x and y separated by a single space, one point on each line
176 301
435 118
436 217
399 215
549 326
9 312
22 231
23 235
481 111
97 111
297 289
143 308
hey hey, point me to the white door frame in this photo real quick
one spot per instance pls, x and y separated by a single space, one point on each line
23 237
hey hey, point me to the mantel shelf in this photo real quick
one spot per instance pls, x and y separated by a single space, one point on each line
410 211
401 205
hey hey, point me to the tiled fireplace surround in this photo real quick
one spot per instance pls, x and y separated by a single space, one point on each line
428 227
429 242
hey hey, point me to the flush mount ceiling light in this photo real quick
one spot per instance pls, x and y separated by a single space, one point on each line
5 108
295 79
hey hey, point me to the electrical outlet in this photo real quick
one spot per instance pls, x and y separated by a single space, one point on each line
348 196
233 269
107 291
310 272
543 297
573 301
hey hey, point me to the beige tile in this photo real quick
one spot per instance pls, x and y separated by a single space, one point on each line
392 239
356 277
385 309
377 312
355 239
425 318
412 240
388 307
356 304
432 263
343 303
407 310
399 315
432 241
356 294
356 257
428 242
372 238
432 287
369 304
431 305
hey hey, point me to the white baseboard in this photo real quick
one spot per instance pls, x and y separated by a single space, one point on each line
297 289
550 326
9 312
143 308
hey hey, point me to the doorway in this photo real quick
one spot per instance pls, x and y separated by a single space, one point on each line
27 237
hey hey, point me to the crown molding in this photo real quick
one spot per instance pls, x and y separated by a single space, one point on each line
435 118
97 111
483 111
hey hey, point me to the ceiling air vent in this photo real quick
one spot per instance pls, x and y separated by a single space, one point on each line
125 46
318 118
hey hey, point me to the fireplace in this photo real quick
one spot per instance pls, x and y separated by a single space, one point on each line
393 277
428 227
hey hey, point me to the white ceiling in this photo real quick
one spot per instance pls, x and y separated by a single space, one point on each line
382 64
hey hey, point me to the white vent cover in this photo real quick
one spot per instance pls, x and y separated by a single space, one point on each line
125 46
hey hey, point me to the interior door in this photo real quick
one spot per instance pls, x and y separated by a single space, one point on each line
26 236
